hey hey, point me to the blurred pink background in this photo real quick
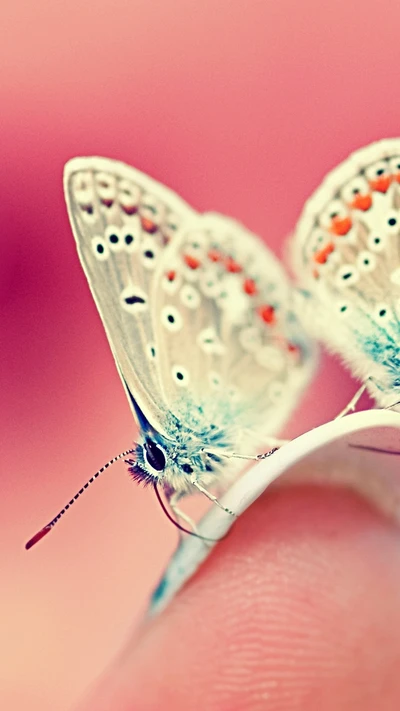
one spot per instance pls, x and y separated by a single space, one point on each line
239 105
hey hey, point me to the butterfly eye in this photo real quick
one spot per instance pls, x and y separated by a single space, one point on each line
180 376
100 249
378 176
336 218
376 243
128 196
392 223
133 299
357 194
114 238
366 261
190 297
347 275
149 254
395 168
154 455
171 318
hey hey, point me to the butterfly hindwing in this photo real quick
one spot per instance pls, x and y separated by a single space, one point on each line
231 334
346 252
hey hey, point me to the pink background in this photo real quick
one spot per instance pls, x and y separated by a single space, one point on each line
241 106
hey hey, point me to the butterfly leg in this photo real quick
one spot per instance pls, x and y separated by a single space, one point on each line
173 499
351 406
182 516
211 497
394 404
249 457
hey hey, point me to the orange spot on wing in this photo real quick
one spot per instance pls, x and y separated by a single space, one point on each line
192 262
361 202
322 255
129 209
232 266
315 273
249 287
267 313
148 225
381 184
171 275
341 225
214 255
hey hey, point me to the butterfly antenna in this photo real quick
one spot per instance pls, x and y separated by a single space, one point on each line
46 529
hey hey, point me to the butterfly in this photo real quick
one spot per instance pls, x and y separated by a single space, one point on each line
198 315
346 253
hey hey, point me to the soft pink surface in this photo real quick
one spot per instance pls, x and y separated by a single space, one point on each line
241 107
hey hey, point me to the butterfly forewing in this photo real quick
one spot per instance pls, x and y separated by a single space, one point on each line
346 251
123 221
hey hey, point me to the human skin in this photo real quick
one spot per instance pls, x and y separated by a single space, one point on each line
297 609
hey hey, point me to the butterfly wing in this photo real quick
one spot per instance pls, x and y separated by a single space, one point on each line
123 221
226 330
192 304
346 252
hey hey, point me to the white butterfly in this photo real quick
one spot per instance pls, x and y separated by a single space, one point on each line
197 312
346 252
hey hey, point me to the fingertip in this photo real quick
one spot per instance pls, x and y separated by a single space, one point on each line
293 609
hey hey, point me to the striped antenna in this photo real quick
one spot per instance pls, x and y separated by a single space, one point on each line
46 529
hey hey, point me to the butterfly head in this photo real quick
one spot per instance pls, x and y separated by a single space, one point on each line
177 461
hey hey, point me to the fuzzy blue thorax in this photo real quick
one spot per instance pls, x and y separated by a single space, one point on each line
197 439
381 347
